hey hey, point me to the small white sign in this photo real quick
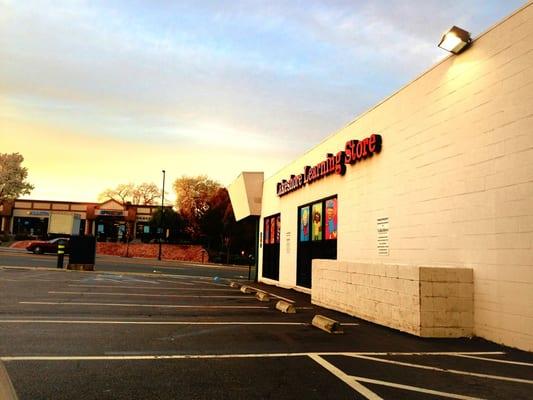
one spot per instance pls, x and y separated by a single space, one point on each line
383 236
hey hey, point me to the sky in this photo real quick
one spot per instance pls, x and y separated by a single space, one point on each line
98 93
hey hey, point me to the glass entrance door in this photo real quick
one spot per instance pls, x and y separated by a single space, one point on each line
271 236
317 236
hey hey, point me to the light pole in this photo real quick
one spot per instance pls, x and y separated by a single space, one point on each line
161 215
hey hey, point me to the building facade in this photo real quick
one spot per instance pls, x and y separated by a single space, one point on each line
108 221
419 214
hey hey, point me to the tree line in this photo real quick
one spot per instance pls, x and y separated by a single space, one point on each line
202 213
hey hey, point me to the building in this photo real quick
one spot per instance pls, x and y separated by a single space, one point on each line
418 215
108 221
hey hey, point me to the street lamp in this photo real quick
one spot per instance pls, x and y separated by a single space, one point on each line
161 215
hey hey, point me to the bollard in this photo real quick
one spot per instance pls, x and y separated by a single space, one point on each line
285 307
326 324
60 254
262 296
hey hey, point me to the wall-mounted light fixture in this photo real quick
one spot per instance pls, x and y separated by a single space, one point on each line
455 40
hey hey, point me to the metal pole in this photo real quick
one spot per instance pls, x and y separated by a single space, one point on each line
161 216
256 249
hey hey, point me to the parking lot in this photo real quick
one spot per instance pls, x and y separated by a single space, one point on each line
105 335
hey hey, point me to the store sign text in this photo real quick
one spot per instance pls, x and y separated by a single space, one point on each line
354 151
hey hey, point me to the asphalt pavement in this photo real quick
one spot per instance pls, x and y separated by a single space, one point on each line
182 333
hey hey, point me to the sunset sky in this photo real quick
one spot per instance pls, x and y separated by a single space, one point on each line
98 93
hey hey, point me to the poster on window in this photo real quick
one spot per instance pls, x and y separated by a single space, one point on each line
272 230
331 219
317 222
304 224
278 225
267 230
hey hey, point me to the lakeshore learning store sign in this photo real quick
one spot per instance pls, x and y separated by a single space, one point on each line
355 151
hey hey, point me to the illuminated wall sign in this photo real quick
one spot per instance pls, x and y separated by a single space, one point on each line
355 151
39 213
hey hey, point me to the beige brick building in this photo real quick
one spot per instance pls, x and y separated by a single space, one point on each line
433 234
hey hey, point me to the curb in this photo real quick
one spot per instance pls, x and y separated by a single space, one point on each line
326 324
285 307
7 391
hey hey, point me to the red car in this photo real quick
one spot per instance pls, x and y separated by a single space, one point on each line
48 246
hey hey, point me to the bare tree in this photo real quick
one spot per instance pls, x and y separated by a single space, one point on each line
144 194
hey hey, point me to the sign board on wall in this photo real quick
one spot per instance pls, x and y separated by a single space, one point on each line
354 151
383 236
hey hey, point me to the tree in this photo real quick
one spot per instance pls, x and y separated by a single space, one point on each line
144 194
167 219
193 196
13 177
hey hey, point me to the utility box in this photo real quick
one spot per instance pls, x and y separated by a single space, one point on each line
82 253
64 224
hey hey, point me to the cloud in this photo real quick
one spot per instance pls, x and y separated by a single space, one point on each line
269 78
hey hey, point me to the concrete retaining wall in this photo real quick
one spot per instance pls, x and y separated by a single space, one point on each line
424 301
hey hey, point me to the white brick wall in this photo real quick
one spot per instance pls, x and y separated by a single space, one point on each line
424 301
455 178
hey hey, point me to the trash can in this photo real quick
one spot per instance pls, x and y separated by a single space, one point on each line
82 251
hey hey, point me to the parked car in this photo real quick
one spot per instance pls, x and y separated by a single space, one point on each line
46 246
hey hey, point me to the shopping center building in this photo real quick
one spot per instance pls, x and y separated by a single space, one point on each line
108 221
418 215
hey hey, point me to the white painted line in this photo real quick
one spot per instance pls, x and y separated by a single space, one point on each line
451 371
52 303
273 294
179 283
414 388
147 357
192 296
363 390
423 353
200 356
106 322
149 287
210 283
496 360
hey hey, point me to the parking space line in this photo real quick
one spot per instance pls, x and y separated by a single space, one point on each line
110 322
150 287
148 357
414 388
273 294
363 390
52 303
496 360
202 356
179 283
451 371
216 296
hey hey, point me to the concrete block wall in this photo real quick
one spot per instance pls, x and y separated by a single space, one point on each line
423 301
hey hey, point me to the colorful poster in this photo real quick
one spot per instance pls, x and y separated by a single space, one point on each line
267 230
278 227
304 224
272 230
317 222
331 219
